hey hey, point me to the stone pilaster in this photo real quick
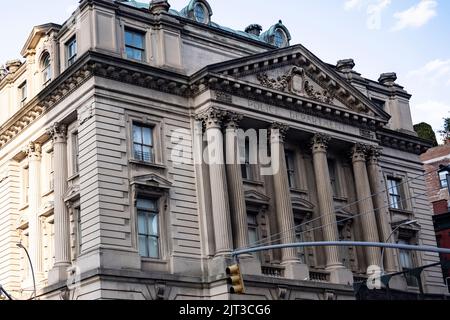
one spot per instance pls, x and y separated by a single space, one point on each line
325 197
285 216
365 203
381 203
58 132
213 119
34 153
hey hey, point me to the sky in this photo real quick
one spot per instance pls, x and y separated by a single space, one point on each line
409 37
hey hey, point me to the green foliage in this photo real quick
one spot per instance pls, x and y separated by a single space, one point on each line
425 131
446 132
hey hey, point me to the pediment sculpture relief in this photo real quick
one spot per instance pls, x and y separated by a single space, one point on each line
296 82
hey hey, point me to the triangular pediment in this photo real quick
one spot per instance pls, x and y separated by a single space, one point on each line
152 180
297 72
36 34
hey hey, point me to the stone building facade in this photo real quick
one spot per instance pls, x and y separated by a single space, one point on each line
439 197
104 127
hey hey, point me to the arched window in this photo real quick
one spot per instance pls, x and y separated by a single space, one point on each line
200 13
280 38
46 68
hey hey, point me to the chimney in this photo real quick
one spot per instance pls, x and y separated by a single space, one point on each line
388 79
13 65
345 66
254 29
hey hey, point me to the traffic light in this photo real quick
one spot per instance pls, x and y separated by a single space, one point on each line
235 279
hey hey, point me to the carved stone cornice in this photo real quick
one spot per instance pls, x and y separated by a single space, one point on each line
212 117
359 152
58 132
319 143
402 141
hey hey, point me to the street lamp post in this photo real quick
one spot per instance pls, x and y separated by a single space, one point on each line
392 233
31 265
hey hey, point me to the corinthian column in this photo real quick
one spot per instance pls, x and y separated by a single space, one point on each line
235 185
58 132
34 206
325 197
213 119
381 203
365 204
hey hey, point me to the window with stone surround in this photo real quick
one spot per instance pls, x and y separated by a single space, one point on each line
143 143
46 68
148 227
25 178
407 262
291 168
23 93
333 177
134 44
75 153
71 50
395 194
246 165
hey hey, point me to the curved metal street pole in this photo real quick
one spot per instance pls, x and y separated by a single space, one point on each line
392 233
31 265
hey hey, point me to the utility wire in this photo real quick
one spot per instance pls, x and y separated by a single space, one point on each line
272 239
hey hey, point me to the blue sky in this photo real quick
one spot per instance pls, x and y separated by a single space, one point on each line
410 37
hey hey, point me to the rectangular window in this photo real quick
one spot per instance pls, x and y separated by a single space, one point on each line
246 167
148 228
443 179
25 185
253 236
51 171
407 263
75 154
379 103
395 198
290 166
134 44
71 48
299 237
143 147
333 179
23 92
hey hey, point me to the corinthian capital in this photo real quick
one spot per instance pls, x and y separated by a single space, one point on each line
232 120
212 118
359 152
320 142
33 150
58 132
374 153
278 131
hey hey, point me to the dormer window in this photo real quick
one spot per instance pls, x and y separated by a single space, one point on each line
46 68
200 13
280 38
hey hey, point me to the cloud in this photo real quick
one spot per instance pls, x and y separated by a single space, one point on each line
434 72
352 4
416 16
431 112
374 12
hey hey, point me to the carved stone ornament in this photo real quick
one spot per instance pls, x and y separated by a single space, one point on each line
374 153
320 142
213 117
33 149
291 81
359 152
232 120
278 131
58 132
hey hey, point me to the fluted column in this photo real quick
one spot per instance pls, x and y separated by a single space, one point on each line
365 203
381 203
325 198
58 132
213 119
34 206
235 184
285 215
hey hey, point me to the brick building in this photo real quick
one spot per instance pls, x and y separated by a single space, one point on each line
439 196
